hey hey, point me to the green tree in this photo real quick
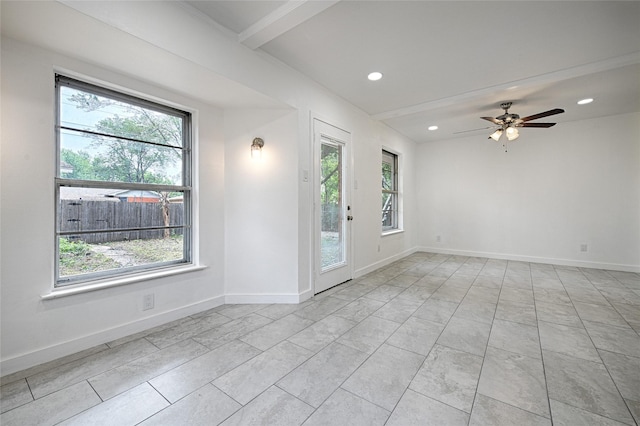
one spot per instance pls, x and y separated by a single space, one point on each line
123 159
120 158
387 176
125 163
80 163
330 178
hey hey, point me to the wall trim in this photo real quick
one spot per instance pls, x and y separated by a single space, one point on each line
37 357
282 298
34 358
384 262
535 259
306 295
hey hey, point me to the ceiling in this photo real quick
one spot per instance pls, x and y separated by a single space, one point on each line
447 63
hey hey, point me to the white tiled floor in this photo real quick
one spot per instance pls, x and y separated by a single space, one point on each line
430 339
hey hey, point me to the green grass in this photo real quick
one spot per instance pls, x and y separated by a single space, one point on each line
78 257
151 251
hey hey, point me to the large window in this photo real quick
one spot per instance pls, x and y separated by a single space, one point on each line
389 191
123 183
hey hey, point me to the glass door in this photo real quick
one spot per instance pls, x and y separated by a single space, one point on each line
332 211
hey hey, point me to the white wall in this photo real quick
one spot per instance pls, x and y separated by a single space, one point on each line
372 249
188 36
261 207
34 330
576 183
557 188
254 225
269 220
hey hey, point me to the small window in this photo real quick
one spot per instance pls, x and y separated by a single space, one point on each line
123 183
389 191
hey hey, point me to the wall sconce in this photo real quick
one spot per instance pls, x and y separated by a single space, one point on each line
256 148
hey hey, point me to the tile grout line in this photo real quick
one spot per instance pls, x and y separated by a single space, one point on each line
605 364
598 352
385 342
434 344
388 279
315 354
484 355
544 368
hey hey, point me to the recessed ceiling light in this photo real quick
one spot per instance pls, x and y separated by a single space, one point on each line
433 128
375 76
585 101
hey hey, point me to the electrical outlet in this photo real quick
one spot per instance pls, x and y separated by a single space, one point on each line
147 302
584 247
438 239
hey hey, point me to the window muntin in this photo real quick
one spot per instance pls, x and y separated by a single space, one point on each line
123 184
389 191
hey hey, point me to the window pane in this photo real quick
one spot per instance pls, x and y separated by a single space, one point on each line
91 157
91 112
387 176
387 203
389 191
388 210
99 209
332 250
79 257
112 138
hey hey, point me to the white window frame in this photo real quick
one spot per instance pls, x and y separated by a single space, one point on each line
392 158
126 274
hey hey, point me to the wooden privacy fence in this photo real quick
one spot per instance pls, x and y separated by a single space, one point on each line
81 215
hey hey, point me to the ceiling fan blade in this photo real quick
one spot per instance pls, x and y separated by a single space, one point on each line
540 125
493 120
542 114
474 130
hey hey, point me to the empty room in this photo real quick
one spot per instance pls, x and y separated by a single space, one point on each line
320 212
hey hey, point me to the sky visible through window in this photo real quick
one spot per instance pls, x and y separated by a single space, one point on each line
84 111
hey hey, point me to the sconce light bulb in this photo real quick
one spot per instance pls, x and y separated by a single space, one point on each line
256 148
256 153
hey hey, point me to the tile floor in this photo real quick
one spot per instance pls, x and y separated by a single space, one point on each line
430 340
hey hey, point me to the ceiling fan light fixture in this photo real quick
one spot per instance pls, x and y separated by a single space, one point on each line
509 123
512 133
585 101
496 135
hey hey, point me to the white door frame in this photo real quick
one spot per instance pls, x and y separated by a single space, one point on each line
323 280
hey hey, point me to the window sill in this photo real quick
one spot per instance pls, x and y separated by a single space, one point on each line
392 232
116 282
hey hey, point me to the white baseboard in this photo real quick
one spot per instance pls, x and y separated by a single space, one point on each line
27 360
534 259
384 262
306 295
284 298
31 359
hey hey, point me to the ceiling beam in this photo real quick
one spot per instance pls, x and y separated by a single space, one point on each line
578 71
281 20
